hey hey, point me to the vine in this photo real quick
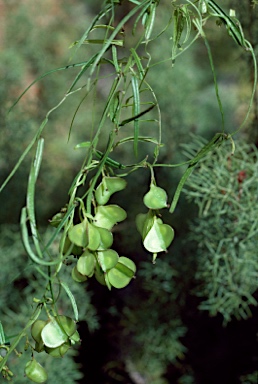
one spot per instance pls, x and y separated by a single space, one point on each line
84 225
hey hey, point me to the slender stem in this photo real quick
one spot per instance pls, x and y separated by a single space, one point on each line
33 318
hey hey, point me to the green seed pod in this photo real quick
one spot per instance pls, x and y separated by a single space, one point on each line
67 324
144 222
71 248
56 219
86 264
93 237
39 347
156 198
159 237
99 275
107 281
58 351
36 329
75 338
131 267
121 275
57 331
35 372
107 187
77 276
106 239
78 234
107 259
107 216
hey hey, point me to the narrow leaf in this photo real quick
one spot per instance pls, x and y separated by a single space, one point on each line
72 299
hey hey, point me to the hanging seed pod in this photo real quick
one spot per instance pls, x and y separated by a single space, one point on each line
121 275
107 187
52 335
156 198
56 219
107 216
85 235
39 347
106 239
36 329
58 351
75 338
86 264
78 234
99 275
35 372
159 237
57 331
67 324
144 222
93 237
107 259
71 248
77 276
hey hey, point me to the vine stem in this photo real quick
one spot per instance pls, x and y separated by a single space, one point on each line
33 318
32 142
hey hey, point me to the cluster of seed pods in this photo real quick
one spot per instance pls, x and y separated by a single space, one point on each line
54 336
156 235
93 239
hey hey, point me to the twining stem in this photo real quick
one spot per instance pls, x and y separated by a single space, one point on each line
23 333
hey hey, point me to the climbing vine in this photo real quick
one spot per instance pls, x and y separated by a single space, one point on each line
84 227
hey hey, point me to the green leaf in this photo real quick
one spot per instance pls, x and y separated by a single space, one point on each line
136 111
84 144
72 299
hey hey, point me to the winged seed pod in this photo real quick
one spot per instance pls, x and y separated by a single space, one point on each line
85 235
156 198
107 187
35 372
108 215
156 235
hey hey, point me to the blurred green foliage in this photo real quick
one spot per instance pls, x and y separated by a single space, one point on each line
151 328
250 378
224 187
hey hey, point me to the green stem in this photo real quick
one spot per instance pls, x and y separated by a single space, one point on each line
22 334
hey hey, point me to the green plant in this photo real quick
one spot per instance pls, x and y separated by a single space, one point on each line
226 230
83 226
251 378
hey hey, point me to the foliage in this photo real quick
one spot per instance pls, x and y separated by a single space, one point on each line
226 230
80 241
163 326
250 378
29 50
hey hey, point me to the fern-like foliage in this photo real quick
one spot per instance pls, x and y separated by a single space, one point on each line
225 189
